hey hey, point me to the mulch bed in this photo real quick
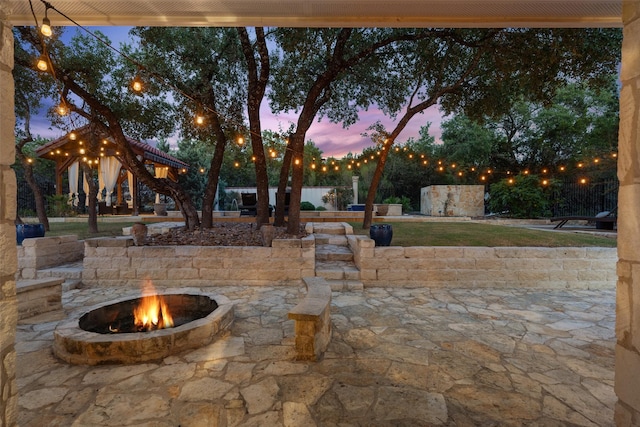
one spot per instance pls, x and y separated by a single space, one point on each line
221 234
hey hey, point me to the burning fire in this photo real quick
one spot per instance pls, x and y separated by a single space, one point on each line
152 313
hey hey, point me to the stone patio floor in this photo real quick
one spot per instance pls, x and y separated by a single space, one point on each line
399 357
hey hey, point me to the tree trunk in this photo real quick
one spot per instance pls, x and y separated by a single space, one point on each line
258 78
278 219
93 198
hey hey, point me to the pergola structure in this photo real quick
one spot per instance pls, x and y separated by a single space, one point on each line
97 151
356 13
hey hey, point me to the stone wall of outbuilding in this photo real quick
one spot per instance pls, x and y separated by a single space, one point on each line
441 266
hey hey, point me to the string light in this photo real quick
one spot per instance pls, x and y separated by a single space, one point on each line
43 63
45 29
136 84
199 119
62 108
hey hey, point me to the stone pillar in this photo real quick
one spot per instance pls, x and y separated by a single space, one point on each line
354 180
8 250
627 370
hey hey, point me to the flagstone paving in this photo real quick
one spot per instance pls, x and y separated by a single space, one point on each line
399 357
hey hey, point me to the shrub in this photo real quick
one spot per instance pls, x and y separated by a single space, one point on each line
59 206
307 206
404 201
521 197
321 208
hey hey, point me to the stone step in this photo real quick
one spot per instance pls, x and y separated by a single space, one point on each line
337 270
67 271
345 285
330 239
71 273
328 228
333 253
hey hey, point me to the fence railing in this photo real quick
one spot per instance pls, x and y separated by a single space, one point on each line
585 199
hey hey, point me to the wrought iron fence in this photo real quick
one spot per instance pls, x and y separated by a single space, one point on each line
25 200
573 198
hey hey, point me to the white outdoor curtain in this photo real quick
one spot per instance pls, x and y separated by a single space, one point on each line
161 172
101 174
73 183
110 167
131 189
85 188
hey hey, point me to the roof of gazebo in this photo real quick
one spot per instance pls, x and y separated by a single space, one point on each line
73 146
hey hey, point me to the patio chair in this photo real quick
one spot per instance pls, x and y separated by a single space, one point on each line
249 206
603 220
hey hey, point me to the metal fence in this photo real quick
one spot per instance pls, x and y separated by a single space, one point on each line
574 199
25 200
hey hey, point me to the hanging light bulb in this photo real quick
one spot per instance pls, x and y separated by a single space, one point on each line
62 108
240 140
72 136
136 84
43 64
45 29
199 119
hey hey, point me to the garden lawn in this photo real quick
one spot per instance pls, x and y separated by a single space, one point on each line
474 234
81 229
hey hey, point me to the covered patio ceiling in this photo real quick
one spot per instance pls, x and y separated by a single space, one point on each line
324 13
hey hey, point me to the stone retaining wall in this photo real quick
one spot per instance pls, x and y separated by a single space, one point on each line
116 262
575 268
44 252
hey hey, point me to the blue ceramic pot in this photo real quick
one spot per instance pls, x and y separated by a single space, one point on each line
27 231
381 234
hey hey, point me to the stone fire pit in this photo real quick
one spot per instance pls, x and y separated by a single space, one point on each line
86 340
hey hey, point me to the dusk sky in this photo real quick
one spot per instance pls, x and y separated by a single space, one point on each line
331 138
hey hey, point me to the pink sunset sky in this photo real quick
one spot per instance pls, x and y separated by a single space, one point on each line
331 138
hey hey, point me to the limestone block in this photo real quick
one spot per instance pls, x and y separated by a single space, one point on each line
592 275
631 34
287 252
434 264
214 274
461 264
567 275
419 252
183 273
8 184
576 264
489 264
286 243
390 252
627 372
479 252
6 55
602 253
532 275
392 274
8 255
629 222
603 264
447 252
109 273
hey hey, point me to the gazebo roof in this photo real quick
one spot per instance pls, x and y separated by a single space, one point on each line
74 146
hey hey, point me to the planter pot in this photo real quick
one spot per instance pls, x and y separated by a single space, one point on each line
27 231
160 209
382 210
381 234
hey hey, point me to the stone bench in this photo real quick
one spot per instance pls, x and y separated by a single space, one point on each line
38 296
313 320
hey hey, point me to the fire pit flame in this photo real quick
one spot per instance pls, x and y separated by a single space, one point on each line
152 313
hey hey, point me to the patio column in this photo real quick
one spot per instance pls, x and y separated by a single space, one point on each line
354 183
627 370
8 252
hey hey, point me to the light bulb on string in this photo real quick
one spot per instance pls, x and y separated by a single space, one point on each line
199 119
137 85
43 63
240 140
72 136
45 29
62 108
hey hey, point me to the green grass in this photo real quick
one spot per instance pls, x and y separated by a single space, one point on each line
474 234
409 234
81 229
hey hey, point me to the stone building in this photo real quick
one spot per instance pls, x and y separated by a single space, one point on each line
425 13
